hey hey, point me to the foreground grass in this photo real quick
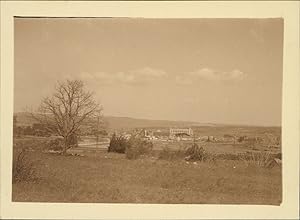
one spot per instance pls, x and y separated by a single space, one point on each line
111 178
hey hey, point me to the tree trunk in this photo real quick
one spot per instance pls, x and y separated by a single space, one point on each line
66 145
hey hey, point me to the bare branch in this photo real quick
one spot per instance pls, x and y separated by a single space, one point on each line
67 109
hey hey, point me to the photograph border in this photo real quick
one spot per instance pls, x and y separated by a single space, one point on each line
158 9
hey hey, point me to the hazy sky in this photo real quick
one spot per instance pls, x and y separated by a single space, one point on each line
205 70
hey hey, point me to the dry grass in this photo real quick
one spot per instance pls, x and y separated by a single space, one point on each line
260 159
138 147
168 154
116 179
24 168
111 178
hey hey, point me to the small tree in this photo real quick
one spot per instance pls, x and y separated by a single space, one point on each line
67 109
118 144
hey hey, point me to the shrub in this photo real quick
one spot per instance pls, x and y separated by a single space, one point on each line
132 147
137 147
118 144
23 168
196 153
31 144
55 144
261 159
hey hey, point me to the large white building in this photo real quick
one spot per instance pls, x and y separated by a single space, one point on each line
175 131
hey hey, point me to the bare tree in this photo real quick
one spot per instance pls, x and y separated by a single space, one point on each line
67 109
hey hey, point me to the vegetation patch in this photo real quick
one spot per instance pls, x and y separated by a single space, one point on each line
24 169
167 154
261 159
197 153
55 145
132 147
137 147
118 144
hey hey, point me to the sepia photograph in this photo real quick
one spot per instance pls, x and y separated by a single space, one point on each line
147 110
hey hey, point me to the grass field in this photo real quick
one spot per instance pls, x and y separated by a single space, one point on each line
111 178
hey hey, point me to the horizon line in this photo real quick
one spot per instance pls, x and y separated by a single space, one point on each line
185 121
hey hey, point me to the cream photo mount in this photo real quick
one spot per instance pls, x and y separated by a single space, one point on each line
177 9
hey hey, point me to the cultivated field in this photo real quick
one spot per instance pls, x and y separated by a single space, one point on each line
104 177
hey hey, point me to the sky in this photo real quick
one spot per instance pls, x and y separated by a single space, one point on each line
225 71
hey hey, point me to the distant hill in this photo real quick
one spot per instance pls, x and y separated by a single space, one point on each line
113 122
126 122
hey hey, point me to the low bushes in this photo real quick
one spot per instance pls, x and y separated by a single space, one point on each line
192 153
132 147
30 144
137 147
24 169
118 144
55 145
261 159
196 153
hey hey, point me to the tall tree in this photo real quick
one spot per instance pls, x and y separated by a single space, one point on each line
67 109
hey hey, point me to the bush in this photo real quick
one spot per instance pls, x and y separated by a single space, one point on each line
137 147
31 144
118 144
196 153
132 147
55 144
261 159
23 168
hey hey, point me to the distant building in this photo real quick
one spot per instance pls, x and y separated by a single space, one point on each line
148 133
180 131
